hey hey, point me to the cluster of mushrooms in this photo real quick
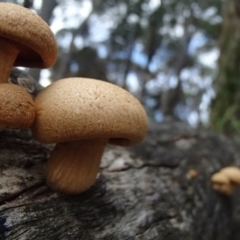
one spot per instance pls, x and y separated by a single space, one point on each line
80 115
226 180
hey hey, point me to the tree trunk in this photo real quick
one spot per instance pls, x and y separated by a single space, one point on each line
145 192
226 109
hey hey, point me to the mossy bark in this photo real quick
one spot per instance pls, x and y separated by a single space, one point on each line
225 115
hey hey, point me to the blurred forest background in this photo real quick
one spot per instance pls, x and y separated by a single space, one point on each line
175 56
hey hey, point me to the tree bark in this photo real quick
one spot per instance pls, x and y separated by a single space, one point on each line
145 192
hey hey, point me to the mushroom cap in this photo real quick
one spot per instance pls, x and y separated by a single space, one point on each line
219 178
37 44
233 173
74 109
16 106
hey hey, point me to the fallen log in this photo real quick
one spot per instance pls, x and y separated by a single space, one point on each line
159 189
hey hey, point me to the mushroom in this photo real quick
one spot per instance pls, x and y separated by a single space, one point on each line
226 180
25 40
82 116
16 108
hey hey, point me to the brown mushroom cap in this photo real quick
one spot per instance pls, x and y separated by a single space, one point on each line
219 178
76 108
233 173
16 106
30 33
82 116
226 180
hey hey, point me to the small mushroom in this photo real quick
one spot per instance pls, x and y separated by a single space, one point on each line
233 173
82 116
221 183
25 40
226 180
192 174
17 107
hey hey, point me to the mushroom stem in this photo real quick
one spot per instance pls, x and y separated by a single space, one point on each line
73 166
8 55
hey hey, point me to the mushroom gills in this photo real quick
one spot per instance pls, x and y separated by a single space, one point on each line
73 166
2 127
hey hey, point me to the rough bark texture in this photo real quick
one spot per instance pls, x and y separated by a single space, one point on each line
141 192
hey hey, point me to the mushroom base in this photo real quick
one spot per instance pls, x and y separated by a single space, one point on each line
226 189
73 166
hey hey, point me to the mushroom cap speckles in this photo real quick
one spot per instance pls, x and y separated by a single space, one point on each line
16 106
37 44
77 108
